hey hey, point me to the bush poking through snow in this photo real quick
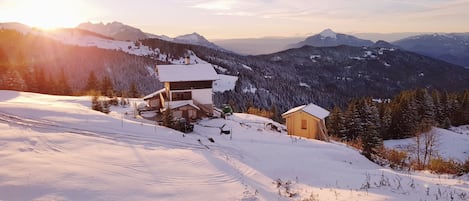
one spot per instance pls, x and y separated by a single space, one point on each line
100 105
285 188
397 159
442 166
312 197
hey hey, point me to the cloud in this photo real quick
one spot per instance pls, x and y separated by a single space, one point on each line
216 5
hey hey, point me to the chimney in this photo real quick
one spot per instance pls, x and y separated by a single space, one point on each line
187 60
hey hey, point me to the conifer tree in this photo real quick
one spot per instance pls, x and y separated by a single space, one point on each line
439 112
107 88
133 90
409 120
353 121
4 63
426 109
51 85
335 123
386 119
41 81
63 88
167 117
92 83
371 138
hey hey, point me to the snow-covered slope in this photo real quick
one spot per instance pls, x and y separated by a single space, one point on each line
448 144
79 38
225 83
56 148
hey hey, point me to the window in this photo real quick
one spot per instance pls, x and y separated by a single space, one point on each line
177 96
304 124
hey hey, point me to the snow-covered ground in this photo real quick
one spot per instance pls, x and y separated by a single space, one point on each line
225 83
56 148
448 144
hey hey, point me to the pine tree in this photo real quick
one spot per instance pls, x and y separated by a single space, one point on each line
52 86
167 117
462 112
335 123
106 107
133 90
4 63
386 119
107 88
92 84
41 81
370 136
62 86
409 120
439 111
426 110
354 125
95 103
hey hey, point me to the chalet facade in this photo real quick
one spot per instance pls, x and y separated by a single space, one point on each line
307 121
187 90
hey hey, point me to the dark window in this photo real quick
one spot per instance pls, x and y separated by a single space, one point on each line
177 96
191 85
304 124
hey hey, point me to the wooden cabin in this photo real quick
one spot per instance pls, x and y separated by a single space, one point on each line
188 90
307 121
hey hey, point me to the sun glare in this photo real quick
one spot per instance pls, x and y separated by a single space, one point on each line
48 14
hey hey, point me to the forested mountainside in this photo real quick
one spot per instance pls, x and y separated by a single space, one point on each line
323 75
27 59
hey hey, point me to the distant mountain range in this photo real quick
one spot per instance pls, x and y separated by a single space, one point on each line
256 46
453 47
329 38
120 31
115 30
196 39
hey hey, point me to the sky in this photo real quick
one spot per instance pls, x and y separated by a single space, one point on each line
223 19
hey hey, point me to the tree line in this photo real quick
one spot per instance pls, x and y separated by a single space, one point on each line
408 114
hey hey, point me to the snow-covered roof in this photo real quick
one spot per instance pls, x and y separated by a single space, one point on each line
153 94
191 72
311 109
177 104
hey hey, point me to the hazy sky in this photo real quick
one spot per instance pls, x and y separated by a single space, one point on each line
217 19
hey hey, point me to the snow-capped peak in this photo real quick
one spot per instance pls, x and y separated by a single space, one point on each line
193 37
328 33
196 39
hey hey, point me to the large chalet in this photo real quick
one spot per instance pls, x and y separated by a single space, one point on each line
187 90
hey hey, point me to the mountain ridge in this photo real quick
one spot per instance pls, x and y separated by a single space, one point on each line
329 38
450 47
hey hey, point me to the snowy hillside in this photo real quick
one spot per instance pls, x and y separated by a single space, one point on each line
448 144
74 37
56 148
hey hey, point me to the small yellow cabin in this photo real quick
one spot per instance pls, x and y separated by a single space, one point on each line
307 121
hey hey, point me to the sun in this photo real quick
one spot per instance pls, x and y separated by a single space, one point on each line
48 14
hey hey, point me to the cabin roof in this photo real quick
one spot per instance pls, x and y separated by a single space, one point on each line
191 72
311 109
153 94
178 104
